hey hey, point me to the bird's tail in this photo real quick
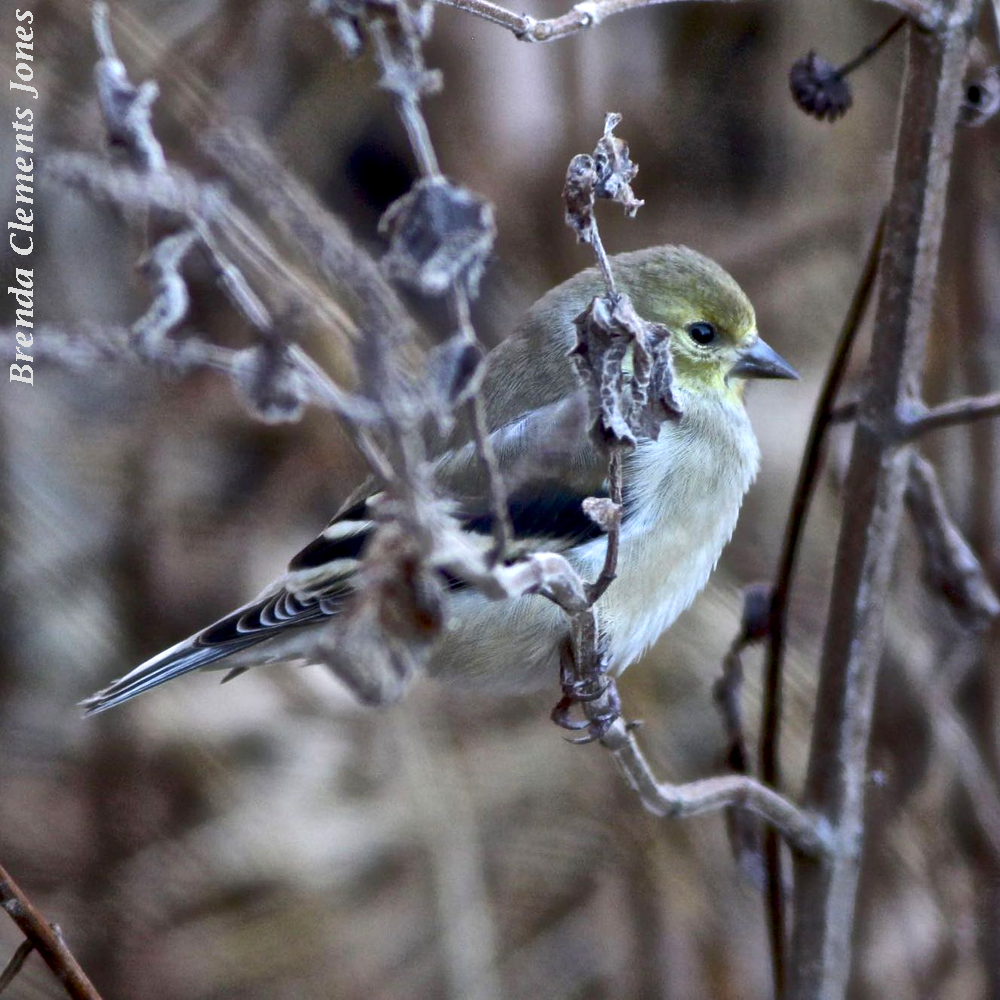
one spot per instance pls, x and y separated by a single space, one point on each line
190 654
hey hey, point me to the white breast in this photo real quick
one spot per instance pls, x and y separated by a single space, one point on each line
689 486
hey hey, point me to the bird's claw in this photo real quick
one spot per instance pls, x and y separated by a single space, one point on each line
581 691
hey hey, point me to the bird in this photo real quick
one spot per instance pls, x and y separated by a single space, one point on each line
682 493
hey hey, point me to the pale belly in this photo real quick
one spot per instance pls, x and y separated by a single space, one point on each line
665 559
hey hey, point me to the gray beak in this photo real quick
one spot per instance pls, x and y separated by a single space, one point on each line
762 361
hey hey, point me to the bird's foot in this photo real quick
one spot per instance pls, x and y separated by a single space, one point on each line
583 691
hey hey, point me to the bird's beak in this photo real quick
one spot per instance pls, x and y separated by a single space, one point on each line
762 361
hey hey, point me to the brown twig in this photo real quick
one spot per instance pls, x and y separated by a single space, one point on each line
803 834
45 939
957 411
825 892
16 963
770 765
744 830
606 577
529 29
951 565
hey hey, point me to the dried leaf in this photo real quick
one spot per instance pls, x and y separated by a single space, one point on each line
624 408
615 171
454 370
608 173
440 234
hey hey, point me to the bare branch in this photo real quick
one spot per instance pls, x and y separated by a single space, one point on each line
610 519
16 963
951 565
770 761
958 411
528 29
460 223
744 830
801 831
45 939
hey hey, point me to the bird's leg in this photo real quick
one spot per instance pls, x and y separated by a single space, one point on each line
577 690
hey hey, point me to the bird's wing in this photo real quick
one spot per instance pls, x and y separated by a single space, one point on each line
546 507
536 412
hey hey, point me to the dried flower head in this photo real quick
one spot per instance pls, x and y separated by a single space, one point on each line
819 88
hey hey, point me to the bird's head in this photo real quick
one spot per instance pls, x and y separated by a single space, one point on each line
714 340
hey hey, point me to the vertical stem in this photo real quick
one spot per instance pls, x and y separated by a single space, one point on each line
825 890
805 487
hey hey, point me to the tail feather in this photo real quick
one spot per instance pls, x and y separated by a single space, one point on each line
180 659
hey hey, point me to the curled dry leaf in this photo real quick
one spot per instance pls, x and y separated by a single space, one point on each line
607 173
440 235
609 333
615 170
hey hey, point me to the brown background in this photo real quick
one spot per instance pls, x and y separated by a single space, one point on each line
270 839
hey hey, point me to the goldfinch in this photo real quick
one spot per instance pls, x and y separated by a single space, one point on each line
682 496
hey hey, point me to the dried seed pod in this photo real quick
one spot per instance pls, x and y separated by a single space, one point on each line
819 88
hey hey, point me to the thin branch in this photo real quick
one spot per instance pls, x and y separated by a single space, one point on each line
802 832
951 565
770 763
869 50
958 411
528 29
503 531
613 527
16 963
744 830
45 939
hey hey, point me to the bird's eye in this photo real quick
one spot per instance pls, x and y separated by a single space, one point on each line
702 333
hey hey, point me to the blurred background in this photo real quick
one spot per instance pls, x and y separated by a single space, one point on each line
272 839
